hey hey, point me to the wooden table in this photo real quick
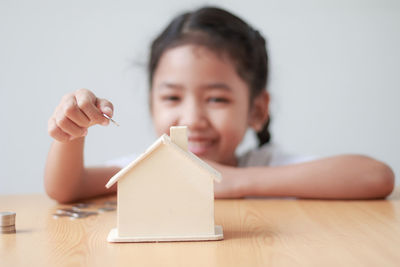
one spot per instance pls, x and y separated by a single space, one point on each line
258 232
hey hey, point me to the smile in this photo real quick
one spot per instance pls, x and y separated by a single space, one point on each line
200 147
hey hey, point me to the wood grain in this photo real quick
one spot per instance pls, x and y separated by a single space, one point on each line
258 232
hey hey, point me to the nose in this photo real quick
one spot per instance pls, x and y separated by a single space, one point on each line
194 116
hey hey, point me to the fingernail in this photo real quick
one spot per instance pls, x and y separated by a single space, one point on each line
85 132
108 111
105 122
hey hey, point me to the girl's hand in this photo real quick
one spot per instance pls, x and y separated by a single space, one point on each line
76 112
231 185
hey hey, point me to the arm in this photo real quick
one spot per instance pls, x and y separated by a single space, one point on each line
66 179
340 177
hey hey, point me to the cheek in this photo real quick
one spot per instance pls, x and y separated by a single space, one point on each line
232 126
236 133
239 124
163 118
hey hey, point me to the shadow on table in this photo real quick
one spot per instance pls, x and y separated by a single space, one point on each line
248 234
395 195
25 231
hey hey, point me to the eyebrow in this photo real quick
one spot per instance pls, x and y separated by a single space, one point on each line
170 85
221 86
210 86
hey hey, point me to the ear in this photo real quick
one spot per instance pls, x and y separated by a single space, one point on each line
259 111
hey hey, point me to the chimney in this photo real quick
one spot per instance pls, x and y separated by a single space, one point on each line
179 136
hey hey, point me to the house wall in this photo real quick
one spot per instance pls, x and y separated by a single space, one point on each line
166 195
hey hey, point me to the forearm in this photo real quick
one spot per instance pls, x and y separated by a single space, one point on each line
341 177
64 169
67 179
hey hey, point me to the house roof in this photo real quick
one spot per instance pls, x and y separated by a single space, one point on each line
165 140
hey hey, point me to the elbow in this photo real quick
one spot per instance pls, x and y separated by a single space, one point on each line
381 180
387 180
61 198
59 195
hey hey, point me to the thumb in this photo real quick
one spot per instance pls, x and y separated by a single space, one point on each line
105 106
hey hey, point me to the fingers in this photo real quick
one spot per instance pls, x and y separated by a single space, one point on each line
72 111
75 113
63 129
105 106
69 126
86 102
56 131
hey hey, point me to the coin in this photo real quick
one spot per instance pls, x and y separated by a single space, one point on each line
57 215
7 218
7 229
81 205
73 213
110 203
105 209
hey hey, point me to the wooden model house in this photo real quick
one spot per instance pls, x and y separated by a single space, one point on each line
166 194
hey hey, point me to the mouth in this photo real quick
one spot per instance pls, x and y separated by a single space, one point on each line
200 146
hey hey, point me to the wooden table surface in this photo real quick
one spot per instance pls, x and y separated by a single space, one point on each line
258 232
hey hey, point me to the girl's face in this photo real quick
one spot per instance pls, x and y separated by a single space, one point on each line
196 87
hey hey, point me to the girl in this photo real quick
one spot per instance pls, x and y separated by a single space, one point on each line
208 70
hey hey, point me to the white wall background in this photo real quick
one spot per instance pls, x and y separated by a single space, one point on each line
334 81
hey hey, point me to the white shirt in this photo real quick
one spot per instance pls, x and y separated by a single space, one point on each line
270 155
267 155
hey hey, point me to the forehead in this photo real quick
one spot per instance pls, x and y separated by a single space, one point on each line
195 64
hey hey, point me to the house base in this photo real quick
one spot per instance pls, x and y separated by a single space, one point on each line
113 237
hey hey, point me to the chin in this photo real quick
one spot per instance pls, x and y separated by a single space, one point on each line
204 155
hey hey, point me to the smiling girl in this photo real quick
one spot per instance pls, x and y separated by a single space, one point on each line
208 70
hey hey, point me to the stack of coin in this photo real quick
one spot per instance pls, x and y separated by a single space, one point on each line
7 222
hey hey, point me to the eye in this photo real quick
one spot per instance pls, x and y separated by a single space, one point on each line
171 98
218 100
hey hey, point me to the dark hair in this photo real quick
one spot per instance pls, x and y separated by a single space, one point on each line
222 32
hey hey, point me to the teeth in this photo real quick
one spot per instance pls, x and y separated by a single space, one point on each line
199 144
